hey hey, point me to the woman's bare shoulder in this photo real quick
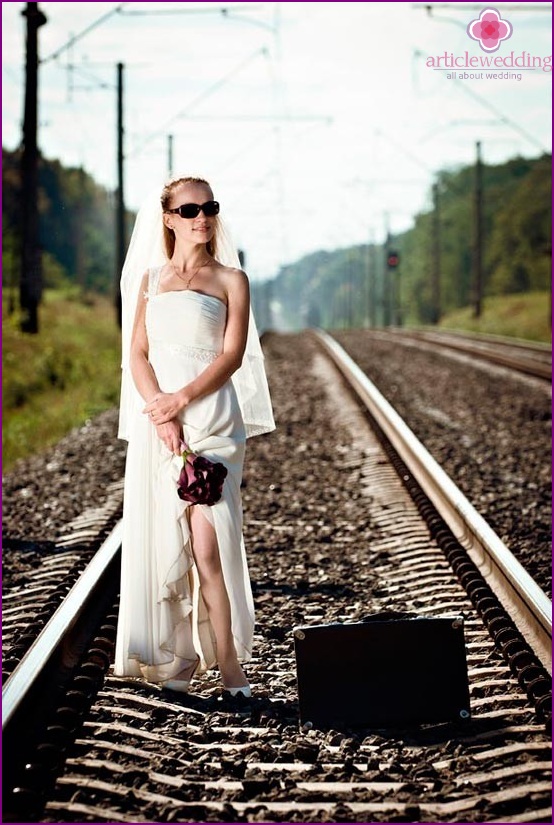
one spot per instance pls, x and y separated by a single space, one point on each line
231 272
232 278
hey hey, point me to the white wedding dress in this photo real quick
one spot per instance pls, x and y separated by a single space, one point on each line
163 626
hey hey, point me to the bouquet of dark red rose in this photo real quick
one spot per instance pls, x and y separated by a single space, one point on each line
200 480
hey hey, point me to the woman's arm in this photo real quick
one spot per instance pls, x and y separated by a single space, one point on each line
167 405
141 369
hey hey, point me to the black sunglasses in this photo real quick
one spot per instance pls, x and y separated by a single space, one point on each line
192 210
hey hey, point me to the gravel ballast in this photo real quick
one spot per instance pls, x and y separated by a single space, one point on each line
491 434
489 430
309 544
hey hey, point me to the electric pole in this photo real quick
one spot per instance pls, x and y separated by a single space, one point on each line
170 156
120 199
350 289
387 290
30 283
373 281
478 236
436 259
79 232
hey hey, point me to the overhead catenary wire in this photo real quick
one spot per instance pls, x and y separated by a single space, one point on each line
476 7
503 118
224 10
163 130
61 49
404 151
92 78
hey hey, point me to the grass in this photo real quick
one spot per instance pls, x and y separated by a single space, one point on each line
60 378
525 315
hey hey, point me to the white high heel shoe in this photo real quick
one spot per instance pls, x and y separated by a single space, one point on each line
245 691
177 685
181 685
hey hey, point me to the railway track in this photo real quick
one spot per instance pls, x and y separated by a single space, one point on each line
531 358
527 605
27 607
131 752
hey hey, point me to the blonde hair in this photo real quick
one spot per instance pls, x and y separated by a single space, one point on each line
168 234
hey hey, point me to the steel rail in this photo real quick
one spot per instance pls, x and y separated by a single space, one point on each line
58 644
530 363
536 347
527 605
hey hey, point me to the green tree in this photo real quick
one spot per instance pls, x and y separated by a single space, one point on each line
519 251
76 224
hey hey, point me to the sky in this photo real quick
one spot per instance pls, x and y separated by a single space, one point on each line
319 125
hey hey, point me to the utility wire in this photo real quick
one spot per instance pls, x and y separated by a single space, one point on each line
198 10
209 91
452 123
405 151
484 102
262 118
429 7
81 34
504 118
88 75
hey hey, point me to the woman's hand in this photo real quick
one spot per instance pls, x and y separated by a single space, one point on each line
171 433
164 407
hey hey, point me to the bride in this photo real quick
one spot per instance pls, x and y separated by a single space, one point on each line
192 372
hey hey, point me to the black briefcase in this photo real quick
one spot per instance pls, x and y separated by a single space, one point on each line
383 672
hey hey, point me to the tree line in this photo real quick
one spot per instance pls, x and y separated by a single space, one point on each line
345 287
355 287
77 235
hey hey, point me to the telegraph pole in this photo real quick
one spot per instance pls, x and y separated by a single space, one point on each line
30 283
79 233
373 282
170 156
478 236
350 289
120 199
387 291
371 276
436 259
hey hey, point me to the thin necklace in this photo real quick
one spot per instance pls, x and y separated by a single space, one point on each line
194 274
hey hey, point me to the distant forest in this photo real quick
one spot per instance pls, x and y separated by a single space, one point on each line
345 287
77 226
354 287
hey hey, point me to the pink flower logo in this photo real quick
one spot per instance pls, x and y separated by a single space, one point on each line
490 30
